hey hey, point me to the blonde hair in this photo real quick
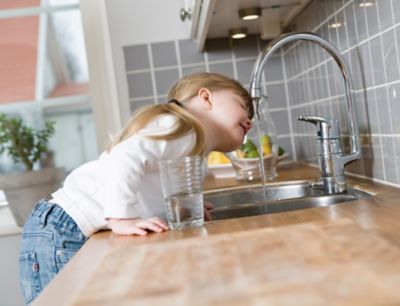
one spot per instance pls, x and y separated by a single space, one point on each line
183 90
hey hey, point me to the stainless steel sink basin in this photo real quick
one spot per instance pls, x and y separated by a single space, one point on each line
249 201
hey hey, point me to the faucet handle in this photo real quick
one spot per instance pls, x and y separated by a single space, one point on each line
327 128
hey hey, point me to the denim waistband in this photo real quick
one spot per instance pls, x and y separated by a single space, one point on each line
51 213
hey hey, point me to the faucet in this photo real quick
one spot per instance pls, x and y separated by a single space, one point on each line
329 153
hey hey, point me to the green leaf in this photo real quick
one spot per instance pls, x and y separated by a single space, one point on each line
22 143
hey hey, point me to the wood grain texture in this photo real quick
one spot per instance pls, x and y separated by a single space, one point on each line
379 215
302 264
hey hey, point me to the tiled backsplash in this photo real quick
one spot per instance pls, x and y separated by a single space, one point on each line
367 32
368 35
152 69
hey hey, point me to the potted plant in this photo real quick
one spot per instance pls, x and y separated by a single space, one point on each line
28 146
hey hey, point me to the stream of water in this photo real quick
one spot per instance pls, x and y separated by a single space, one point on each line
257 123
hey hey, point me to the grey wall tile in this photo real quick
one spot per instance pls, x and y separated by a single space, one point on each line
360 18
361 111
390 56
374 61
135 105
389 159
366 65
281 121
397 40
372 112
383 110
164 54
189 53
335 79
313 84
396 9
273 71
377 60
397 157
139 85
246 47
351 25
218 49
394 106
136 57
322 83
276 95
385 12
223 68
378 103
193 69
372 17
378 168
342 34
165 79
244 69
356 68
332 32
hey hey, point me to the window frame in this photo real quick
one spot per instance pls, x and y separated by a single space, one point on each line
40 102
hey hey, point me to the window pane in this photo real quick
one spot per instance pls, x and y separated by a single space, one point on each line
62 2
74 141
18 52
66 70
11 4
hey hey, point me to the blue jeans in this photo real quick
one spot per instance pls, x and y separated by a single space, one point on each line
50 238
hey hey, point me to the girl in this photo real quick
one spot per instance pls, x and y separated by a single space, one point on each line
121 190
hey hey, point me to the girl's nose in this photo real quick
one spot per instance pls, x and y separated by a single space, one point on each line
249 124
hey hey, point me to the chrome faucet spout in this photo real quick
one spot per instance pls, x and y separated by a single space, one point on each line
338 160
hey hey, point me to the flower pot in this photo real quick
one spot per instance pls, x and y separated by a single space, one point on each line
24 189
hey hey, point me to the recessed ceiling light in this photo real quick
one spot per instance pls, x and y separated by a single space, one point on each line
365 4
250 13
335 25
238 33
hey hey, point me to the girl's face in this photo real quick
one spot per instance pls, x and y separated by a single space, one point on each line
231 119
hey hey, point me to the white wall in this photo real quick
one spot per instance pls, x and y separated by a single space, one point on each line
108 26
10 294
134 22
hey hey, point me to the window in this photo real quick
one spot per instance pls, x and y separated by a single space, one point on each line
44 75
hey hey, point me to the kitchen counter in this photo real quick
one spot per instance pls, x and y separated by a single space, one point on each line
373 241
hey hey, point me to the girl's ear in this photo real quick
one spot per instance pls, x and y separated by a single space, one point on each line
204 95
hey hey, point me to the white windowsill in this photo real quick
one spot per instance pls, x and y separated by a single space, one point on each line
7 223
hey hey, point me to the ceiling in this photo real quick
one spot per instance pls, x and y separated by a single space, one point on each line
222 15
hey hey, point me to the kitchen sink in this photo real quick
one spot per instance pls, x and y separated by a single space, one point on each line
281 197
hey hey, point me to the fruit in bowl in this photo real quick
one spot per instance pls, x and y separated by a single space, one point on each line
246 160
219 165
249 149
217 158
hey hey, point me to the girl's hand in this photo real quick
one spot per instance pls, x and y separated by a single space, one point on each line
207 207
137 226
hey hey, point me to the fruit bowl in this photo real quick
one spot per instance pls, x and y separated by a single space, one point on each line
248 168
221 170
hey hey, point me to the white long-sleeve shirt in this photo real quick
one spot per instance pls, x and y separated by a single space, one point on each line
124 183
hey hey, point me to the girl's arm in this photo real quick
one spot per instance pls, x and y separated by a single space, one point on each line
137 226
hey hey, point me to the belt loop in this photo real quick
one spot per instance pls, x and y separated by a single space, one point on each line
46 213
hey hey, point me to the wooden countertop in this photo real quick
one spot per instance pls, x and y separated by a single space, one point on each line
370 218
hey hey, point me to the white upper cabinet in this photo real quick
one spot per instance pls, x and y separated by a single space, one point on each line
214 18
137 21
